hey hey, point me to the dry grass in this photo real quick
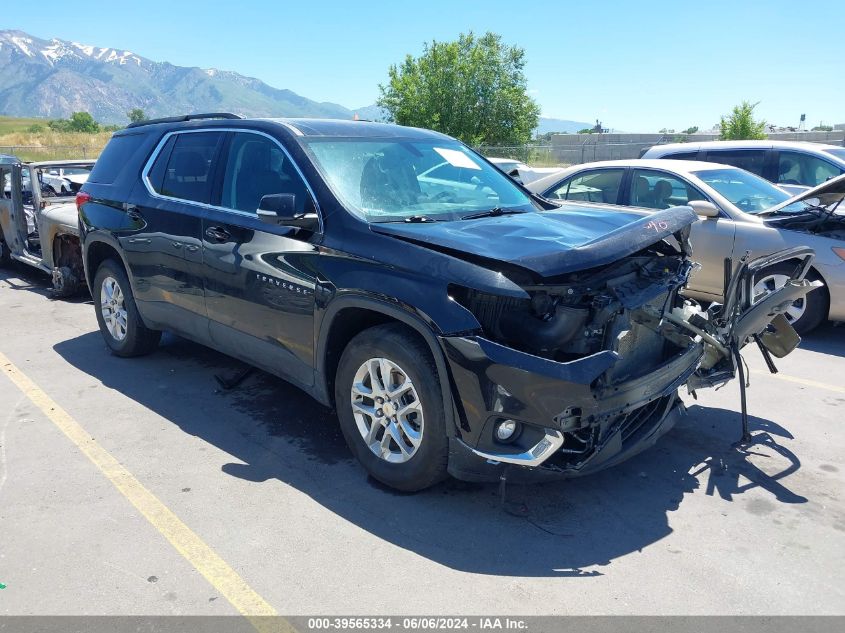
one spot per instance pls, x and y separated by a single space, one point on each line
47 144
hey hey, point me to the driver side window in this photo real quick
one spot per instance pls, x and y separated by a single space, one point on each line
592 186
255 167
660 190
795 168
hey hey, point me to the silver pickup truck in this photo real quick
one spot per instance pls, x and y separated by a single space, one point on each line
38 227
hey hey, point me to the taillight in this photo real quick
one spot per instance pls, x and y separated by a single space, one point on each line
82 198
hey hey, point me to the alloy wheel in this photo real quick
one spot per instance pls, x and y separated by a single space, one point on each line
387 410
769 284
113 308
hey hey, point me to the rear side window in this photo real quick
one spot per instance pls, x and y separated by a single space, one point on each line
117 154
683 155
748 159
593 186
183 169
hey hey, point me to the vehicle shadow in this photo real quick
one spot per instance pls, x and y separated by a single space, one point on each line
570 527
18 276
825 339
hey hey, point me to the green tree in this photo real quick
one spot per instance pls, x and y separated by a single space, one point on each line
473 89
823 128
136 115
741 125
59 125
35 128
586 130
82 122
691 130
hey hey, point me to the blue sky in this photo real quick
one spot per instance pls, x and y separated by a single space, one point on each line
638 66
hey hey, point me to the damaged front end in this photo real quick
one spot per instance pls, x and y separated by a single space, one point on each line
584 371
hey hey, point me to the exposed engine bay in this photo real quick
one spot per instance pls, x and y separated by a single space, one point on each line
826 224
651 338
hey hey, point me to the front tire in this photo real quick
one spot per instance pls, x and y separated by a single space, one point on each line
117 315
390 407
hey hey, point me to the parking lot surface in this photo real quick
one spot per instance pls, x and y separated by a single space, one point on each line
284 519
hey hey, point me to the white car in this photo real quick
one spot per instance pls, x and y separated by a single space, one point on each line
792 165
521 172
64 178
740 213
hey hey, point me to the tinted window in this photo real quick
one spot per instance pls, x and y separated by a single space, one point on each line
188 172
748 159
593 186
117 154
660 190
159 168
683 155
795 168
256 166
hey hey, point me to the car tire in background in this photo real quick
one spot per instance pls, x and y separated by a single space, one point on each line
390 407
805 314
5 252
117 315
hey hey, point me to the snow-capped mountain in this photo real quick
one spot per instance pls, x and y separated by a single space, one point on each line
52 78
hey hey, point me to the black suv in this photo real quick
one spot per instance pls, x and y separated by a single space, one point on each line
456 322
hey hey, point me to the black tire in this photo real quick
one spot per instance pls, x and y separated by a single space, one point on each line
65 282
139 339
427 465
5 253
817 301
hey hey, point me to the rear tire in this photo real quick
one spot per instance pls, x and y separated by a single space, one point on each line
117 315
390 407
65 282
5 253
806 314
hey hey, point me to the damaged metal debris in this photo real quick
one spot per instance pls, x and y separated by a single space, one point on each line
38 218
617 342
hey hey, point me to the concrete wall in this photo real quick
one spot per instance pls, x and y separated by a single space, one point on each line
581 148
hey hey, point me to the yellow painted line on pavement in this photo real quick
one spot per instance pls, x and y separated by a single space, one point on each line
800 381
217 571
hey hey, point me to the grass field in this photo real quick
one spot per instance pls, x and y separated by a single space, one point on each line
47 144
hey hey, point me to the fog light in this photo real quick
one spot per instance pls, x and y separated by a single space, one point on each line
506 429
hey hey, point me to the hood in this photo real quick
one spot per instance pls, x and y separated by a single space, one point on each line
548 243
827 193
62 214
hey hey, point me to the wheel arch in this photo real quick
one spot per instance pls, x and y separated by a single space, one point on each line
96 251
348 316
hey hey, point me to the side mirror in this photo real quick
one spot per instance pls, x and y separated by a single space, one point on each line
704 208
279 209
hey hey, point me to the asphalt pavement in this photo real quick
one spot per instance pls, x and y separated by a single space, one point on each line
138 486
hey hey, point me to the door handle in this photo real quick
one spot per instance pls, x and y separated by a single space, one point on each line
217 234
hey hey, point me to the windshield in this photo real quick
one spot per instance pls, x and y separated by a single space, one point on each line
396 180
838 153
746 191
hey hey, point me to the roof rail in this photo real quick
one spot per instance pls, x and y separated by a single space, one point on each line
186 117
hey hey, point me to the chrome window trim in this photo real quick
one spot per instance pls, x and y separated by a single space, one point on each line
145 173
